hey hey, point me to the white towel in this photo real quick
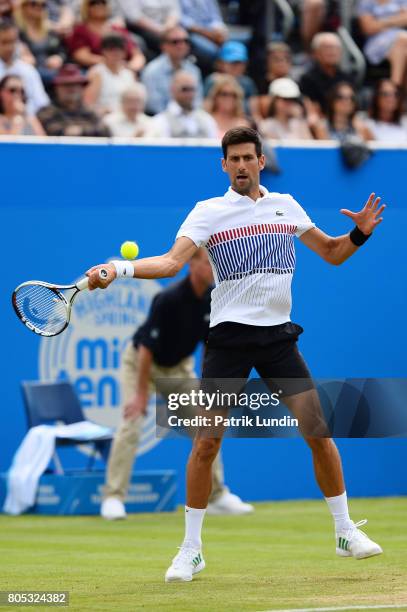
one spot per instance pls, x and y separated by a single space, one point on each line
33 456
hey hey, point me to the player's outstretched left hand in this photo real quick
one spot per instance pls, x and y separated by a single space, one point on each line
95 280
369 216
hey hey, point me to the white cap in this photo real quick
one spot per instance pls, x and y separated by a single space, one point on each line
284 88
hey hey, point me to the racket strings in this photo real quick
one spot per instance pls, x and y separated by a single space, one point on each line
41 307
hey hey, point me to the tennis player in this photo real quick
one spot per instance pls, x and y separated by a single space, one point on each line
249 236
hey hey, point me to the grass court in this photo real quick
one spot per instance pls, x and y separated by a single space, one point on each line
282 557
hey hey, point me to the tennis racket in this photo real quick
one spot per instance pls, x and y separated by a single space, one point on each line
44 308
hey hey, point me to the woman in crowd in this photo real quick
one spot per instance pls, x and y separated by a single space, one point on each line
286 117
85 42
387 122
341 119
130 120
225 103
13 118
45 45
384 23
109 79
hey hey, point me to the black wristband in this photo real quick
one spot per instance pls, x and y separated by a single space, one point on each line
358 237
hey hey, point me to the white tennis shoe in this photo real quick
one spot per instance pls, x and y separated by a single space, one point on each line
113 509
229 503
186 563
353 542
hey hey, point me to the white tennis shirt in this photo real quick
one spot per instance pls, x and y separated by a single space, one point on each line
251 250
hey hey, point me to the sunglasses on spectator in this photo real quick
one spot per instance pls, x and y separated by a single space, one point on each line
280 58
177 41
389 94
96 2
345 97
15 90
187 89
227 94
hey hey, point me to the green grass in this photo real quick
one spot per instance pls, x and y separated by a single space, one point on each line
281 557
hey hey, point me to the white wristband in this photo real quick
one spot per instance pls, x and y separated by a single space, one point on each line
123 268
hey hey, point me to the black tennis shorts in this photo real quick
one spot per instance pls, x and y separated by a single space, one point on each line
233 349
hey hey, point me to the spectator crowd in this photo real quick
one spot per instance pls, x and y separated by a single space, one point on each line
182 69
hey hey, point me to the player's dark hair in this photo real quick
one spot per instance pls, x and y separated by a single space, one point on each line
241 135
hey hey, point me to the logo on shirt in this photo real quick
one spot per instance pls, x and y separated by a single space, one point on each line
89 353
279 213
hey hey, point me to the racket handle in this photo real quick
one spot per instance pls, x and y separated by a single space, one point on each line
84 282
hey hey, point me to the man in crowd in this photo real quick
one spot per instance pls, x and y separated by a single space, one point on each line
326 71
203 20
10 64
68 116
181 119
160 358
158 73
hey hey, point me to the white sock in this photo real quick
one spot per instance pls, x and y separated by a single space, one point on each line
339 509
193 526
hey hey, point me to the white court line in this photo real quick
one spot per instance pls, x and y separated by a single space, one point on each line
343 608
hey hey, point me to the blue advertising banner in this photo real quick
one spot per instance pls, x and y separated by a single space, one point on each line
67 207
81 493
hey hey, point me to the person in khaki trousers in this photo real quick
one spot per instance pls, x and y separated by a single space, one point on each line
160 360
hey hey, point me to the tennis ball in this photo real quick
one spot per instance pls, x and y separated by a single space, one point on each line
129 250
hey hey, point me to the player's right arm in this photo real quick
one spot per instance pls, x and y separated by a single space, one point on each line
162 266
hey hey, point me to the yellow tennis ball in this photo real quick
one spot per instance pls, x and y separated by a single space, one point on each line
129 250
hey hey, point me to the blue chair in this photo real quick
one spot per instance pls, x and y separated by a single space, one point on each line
57 402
